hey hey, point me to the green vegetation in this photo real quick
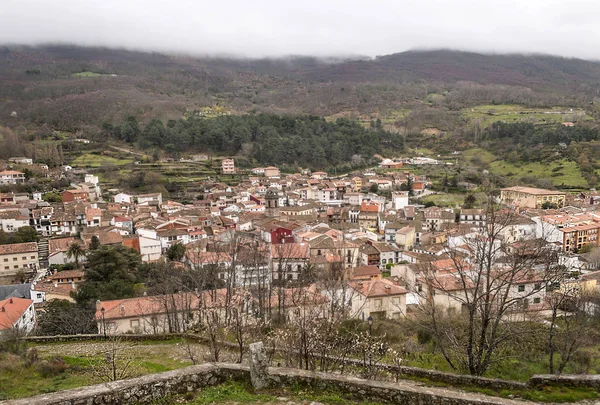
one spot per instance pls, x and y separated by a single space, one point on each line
512 113
561 173
288 141
22 235
51 372
93 160
452 200
240 393
88 74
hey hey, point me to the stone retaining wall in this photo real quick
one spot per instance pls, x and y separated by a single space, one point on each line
588 381
144 390
577 381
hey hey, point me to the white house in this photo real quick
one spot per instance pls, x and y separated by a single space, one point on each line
150 249
123 198
399 199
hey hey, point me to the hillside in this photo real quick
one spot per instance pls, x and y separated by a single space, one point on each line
70 88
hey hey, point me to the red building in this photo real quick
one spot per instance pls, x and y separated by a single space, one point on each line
74 195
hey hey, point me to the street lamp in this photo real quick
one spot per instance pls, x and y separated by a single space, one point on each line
370 321
103 322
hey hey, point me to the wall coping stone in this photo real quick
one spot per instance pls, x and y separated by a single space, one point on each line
150 387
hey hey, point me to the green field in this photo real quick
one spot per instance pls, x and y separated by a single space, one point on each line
68 366
92 160
452 200
517 113
485 156
562 172
88 74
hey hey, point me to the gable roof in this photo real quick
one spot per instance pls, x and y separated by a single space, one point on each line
377 288
11 309
15 248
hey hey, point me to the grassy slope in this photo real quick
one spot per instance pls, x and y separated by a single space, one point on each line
91 160
516 113
570 174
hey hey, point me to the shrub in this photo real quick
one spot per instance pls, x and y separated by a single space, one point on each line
9 362
424 336
53 367
31 356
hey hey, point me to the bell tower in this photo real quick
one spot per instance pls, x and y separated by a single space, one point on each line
272 203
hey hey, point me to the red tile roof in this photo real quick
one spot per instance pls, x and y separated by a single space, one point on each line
11 309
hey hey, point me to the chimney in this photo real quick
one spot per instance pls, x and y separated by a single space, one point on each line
3 309
10 301
98 305
122 310
73 285
388 288
56 284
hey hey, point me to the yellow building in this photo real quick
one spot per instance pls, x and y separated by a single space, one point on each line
18 256
529 197
357 182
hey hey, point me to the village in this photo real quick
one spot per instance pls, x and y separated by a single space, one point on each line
391 254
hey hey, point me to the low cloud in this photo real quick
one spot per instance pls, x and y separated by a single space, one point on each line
327 27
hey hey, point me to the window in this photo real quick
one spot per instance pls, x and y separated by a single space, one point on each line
16 266
24 258
522 288
15 259
537 286
537 300
5 260
396 301
6 267
39 295
33 257
378 303
319 252
134 323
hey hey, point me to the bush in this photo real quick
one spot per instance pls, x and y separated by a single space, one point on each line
9 362
53 367
31 356
424 336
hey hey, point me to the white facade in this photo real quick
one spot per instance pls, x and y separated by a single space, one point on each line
150 249
399 199
123 198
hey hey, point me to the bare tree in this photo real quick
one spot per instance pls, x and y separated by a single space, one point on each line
570 323
118 362
471 309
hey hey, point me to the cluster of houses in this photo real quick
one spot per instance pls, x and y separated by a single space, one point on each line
281 225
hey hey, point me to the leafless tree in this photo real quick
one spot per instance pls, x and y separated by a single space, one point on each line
470 308
118 360
570 323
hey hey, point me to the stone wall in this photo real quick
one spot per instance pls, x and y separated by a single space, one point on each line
578 381
144 390
589 381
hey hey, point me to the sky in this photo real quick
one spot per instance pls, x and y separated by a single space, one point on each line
260 28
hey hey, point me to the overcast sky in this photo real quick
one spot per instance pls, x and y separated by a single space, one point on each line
309 27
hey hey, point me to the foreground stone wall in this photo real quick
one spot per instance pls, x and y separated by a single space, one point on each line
144 390
585 381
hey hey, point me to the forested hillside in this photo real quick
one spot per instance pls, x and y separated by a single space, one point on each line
286 141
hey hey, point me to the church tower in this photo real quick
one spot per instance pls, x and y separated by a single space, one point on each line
272 203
